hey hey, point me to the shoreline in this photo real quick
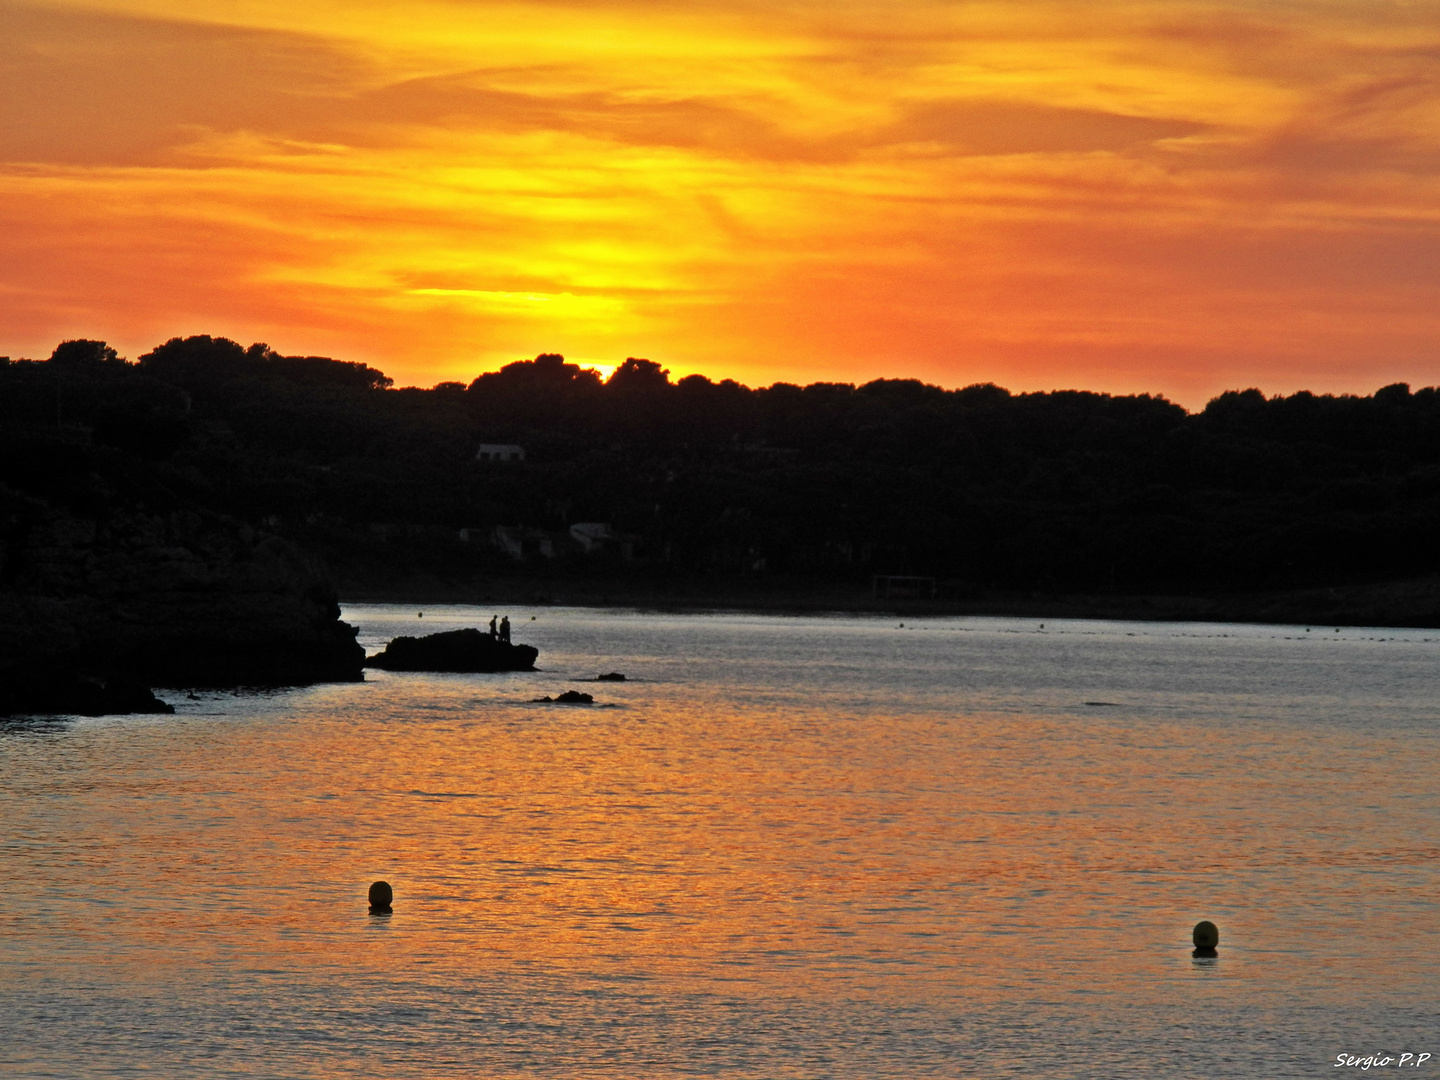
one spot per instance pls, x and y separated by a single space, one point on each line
1412 603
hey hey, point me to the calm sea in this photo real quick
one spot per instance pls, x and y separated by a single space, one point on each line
786 847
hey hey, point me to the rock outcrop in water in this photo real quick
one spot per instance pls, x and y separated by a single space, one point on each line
98 606
466 650
569 697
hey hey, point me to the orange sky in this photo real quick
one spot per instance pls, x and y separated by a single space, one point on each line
1147 195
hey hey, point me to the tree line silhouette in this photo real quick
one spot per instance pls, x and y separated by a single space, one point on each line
1066 491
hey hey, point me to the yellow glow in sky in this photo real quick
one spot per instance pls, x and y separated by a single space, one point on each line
1152 195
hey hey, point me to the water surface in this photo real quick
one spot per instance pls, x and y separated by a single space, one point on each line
793 847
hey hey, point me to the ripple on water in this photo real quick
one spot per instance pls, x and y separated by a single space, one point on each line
801 848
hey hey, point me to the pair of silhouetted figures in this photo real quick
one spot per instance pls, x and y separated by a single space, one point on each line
503 634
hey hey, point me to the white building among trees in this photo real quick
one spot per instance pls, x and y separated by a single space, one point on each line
500 452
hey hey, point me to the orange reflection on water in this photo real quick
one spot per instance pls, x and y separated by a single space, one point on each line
784 863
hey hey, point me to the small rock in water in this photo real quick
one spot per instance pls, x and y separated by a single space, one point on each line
613 676
569 697
454 650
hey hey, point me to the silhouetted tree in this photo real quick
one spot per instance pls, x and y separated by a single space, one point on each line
638 376
1067 490
82 352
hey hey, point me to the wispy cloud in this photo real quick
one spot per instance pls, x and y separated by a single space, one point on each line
1147 195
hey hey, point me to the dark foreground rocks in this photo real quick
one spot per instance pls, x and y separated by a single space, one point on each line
466 650
99 604
92 697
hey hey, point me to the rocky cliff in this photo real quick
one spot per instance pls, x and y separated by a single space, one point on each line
115 594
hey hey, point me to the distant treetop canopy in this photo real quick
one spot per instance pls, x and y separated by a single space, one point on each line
547 372
638 375
1062 490
205 358
84 352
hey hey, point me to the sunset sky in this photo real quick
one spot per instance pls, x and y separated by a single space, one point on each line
1149 195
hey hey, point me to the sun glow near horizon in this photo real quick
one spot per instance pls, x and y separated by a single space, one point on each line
1176 198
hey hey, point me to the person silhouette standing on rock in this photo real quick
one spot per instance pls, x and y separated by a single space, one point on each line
492 627
505 630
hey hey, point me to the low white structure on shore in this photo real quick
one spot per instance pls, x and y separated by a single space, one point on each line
523 543
592 535
500 452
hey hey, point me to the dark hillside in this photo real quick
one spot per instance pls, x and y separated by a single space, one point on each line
692 481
